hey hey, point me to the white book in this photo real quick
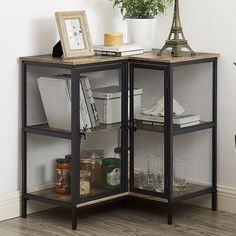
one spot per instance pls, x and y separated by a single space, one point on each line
122 48
118 54
90 101
56 101
82 123
179 120
56 97
84 109
112 92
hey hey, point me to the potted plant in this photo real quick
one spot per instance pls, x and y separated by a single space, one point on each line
141 19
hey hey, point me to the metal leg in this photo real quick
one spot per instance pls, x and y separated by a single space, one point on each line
24 208
169 139
169 214
74 218
75 143
24 141
214 138
214 201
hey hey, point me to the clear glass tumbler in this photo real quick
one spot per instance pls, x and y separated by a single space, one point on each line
153 178
180 175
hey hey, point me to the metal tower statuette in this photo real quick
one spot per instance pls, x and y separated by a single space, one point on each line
178 41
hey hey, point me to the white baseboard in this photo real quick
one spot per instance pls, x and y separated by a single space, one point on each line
10 204
226 199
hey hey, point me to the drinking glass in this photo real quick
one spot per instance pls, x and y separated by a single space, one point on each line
179 175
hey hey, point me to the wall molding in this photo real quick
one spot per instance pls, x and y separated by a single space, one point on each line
10 204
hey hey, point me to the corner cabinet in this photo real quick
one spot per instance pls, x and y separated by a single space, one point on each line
42 145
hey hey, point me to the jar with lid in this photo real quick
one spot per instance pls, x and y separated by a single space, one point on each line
85 180
85 163
96 157
117 152
63 167
96 170
111 172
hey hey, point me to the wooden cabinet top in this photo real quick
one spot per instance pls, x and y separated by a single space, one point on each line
73 62
150 57
168 58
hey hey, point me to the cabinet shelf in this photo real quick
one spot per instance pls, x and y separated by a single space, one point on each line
44 129
50 196
177 131
192 190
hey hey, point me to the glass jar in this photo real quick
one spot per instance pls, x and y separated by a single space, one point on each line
180 175
63 175
85 180
117 152
96 170
85 163
96 157
111 172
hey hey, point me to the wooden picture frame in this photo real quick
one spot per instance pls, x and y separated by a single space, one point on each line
74 34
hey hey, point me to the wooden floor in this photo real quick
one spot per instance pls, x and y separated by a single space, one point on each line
128 221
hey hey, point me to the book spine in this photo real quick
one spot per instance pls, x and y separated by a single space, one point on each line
82 125
149 123
88 102
84 109
81 121
105 53
92 103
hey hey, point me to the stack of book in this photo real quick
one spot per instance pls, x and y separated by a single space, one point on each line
118 51
180 121
55 93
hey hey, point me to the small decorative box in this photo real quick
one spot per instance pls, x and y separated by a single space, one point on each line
113 39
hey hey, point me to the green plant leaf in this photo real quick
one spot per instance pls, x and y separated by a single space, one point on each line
141 9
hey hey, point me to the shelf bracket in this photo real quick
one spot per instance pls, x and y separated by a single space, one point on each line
83 133
132 126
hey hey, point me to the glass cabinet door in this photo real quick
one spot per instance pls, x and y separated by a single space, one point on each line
102 159
147 132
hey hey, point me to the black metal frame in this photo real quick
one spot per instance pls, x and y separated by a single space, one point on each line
169 132
75 134
126 67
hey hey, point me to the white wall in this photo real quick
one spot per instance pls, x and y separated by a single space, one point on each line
210 26
29 28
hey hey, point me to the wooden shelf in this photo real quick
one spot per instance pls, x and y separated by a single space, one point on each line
168 58
145 57
100 195
50 193
44 129
191 189
72 62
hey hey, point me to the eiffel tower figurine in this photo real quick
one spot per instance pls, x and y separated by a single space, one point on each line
178 41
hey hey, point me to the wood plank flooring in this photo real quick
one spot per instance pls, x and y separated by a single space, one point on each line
136 220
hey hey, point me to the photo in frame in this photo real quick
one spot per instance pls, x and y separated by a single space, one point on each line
74 34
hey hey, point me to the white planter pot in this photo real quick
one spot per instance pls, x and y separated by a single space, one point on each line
142 32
